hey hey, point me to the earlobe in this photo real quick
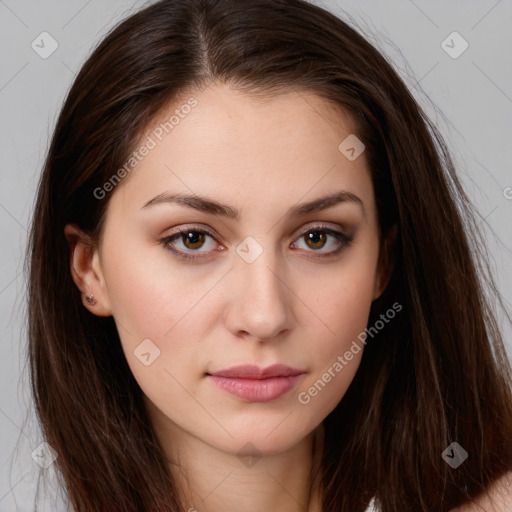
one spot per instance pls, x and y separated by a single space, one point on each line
386 262
86 271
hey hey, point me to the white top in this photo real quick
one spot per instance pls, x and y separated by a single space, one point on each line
371 506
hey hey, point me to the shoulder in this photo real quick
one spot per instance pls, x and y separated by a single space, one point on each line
499 498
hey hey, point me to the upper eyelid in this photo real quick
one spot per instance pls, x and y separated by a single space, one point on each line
212 232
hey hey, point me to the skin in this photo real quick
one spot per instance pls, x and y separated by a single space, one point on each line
289 305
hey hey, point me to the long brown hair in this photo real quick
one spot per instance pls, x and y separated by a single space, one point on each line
438 373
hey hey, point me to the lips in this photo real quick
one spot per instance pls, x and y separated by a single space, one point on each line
255 384
255 372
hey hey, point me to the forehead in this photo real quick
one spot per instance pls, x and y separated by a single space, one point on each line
223 142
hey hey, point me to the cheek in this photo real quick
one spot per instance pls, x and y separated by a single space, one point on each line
152 300
343 302
161 322
150 296
343 305
346 316
348 310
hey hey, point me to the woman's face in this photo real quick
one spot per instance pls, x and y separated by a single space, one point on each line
258 276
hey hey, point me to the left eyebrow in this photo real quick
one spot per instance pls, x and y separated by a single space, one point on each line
323 203
210 206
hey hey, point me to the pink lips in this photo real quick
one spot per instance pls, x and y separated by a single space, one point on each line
256 384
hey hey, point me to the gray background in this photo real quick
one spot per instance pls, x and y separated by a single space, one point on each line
469 97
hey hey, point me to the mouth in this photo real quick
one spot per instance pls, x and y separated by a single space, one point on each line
255 384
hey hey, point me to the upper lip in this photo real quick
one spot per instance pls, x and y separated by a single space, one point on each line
247 371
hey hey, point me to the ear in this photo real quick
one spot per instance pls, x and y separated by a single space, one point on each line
386 262
86 270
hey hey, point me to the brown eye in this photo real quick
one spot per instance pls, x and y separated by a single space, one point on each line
190 243
315 239
193 239
323 240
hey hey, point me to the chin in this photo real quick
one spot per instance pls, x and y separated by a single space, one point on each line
263 437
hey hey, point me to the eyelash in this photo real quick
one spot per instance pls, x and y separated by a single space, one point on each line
345 240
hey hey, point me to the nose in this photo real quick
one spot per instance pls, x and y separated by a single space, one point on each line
260 306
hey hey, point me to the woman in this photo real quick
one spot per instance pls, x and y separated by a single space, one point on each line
251 287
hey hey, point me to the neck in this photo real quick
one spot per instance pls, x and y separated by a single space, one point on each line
212 480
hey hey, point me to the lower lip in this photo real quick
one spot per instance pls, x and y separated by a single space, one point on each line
256 390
